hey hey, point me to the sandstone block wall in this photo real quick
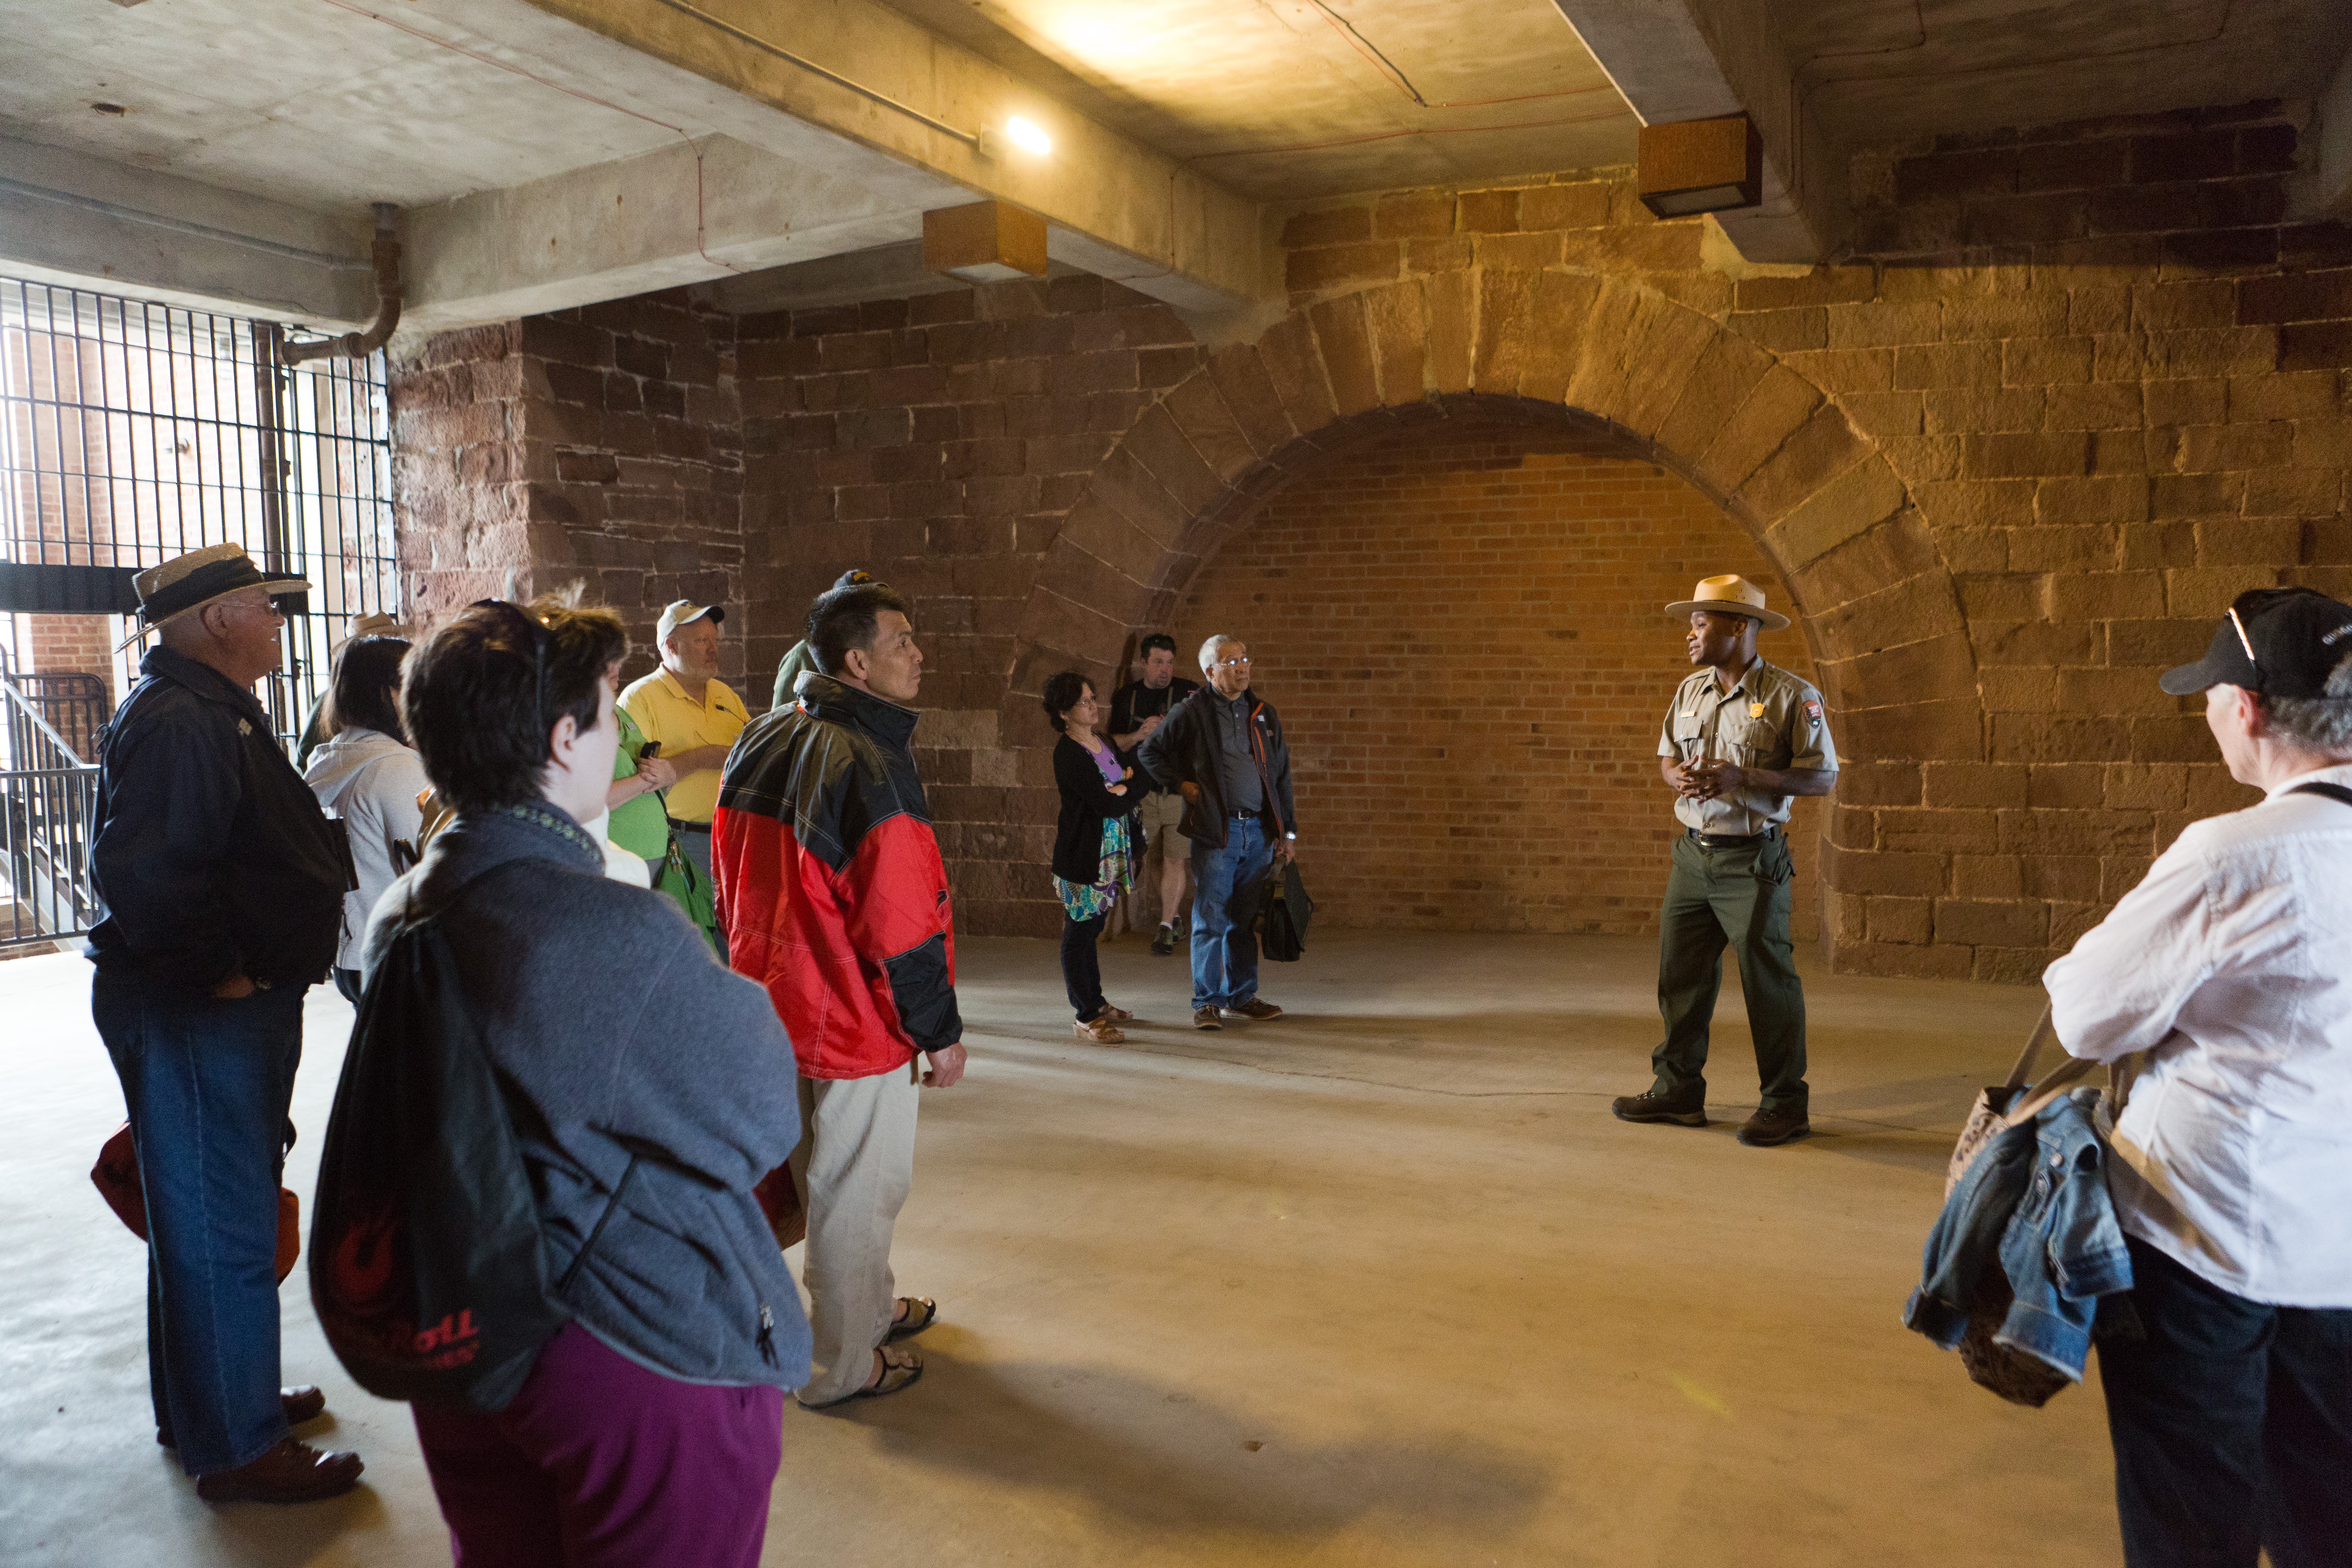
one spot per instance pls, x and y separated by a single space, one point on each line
2080 386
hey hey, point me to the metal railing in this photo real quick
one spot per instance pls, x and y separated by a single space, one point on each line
48 799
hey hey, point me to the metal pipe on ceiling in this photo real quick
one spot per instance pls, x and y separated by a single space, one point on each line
359 345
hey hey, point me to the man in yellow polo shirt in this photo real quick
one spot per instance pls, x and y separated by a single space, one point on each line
686 707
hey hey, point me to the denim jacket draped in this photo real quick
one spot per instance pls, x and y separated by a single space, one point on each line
2034 1204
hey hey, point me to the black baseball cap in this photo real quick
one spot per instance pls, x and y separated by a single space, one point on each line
2280 642
854 578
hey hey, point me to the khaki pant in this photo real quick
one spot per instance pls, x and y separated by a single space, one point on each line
854 1166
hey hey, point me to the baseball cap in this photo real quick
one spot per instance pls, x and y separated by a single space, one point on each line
2281 642
682 612
855 578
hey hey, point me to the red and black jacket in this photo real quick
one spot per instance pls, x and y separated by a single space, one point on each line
830 885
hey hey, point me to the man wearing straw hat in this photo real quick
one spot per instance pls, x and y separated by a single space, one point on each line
222 883
2231 1407
1742 739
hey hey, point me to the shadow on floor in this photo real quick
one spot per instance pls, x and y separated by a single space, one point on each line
1162 1461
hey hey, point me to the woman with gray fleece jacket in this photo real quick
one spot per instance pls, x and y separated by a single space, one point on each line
648 1430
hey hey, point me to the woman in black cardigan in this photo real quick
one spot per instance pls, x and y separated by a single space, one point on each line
1094 856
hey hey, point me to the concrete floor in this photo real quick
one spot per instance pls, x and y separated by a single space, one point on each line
1380 1284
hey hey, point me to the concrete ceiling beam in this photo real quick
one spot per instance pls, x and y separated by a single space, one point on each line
684 213
1146 221
1682 59
67 218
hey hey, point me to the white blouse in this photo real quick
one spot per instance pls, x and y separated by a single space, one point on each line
2234 961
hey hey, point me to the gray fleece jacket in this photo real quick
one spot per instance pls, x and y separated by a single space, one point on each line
614 1032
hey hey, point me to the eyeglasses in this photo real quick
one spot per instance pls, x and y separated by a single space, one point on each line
1233 663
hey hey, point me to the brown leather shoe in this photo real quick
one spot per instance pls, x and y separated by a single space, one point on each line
306 1401
1256 1010
291 1472
1205 1018
1766 1127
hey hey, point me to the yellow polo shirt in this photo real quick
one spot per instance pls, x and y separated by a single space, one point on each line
661 707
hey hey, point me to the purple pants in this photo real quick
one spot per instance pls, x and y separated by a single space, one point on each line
600 1463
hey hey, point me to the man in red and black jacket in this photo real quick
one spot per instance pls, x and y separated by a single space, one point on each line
833 896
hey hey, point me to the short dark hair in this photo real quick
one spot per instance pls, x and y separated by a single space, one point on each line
366 683
1063 692
1156 640
484 693
845 618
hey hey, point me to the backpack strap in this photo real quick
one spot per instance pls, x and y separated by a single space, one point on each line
2335 792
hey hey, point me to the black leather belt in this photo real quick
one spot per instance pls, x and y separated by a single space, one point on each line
689 827
1242 815
1730 840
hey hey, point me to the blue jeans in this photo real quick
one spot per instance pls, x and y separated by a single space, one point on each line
1224 949
2232 1425
207 1084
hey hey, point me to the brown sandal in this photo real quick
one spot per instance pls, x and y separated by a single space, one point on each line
1100 1030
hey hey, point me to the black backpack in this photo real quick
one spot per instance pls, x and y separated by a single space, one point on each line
428 1269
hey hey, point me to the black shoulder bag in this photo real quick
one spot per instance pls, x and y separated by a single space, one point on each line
428 1269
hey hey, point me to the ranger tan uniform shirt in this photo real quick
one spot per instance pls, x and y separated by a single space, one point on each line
1768 720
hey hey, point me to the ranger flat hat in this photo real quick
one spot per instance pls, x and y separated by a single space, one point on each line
1729 595
684 611
2281 642
191 581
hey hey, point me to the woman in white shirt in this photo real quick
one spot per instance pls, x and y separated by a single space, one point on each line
2231 966
370 776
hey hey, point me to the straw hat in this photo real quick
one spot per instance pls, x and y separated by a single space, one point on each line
1729 595
191 581
374 623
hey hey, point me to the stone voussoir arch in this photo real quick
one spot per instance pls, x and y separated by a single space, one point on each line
1878 606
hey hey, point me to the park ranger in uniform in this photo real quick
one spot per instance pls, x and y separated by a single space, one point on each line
1742 739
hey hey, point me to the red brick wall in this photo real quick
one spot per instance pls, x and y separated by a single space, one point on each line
1461 631
601 445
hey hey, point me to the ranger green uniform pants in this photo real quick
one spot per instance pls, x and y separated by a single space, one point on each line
1737 897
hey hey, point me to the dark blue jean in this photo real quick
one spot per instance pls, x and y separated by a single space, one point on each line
2232 1425
207 1084
1224 949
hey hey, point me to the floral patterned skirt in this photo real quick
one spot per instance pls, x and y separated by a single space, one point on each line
1118 875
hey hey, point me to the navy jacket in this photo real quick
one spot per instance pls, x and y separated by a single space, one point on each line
1184 749
615 1032
211 855
2034 1201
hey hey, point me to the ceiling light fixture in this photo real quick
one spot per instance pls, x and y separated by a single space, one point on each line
1016 135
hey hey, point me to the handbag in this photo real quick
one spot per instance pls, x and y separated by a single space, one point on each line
1283 911
2012 1102
116 1177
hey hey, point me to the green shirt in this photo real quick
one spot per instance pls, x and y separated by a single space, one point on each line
1770 719
637 824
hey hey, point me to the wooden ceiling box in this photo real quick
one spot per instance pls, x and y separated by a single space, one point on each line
1692 166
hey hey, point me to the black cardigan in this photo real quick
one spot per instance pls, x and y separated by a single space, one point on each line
1086 802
